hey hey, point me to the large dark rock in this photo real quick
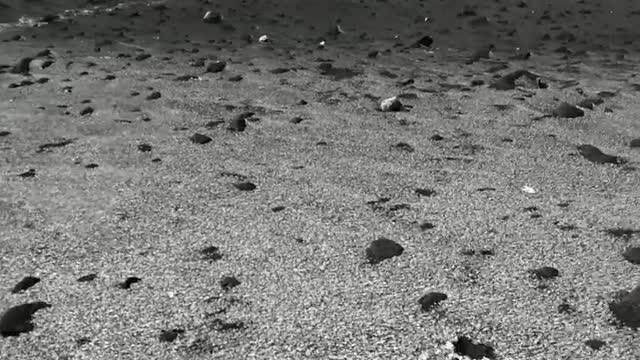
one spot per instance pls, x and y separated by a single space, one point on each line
17 320
382 249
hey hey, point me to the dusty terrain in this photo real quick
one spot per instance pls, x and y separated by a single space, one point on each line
175 189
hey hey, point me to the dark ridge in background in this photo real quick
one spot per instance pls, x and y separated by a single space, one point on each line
594 25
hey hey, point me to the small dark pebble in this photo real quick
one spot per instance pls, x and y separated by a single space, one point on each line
129 281
86 111
431 299
87 278
142 57
144 147
426 226
425 192
296 120
245 186
216 67
545 272
632 255
211 253
403 146
635 143
200 138
17 320
567 111
236 78
436 137
154 95
624 233
595 155
464 346
169 335
595 344
277 208
4 133
28 174
382 249
25 284
229 282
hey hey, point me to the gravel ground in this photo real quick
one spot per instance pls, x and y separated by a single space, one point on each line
281 271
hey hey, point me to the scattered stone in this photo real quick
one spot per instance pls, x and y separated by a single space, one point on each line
391 104
211 253
28 174
567 111
278 208
185 78
221 325
436 137
239 122
296 120
627 309
403 146
635 143
91 166
86 111
594 155
236 78
335 73
481 53
624 233
198 138
216 67
142 57
4 133
25 284
632 255
22 67
382 249
87 278
465 347
424 41
425 192
595 344
545 272
589 103
426 226
170 335
144 147
431 299
508 81
154 95
211 17
46 146
229 282
129 281
245 186
17 320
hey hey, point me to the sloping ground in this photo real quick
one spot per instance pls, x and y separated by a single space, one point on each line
528 233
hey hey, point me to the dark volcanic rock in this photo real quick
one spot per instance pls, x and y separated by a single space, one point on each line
594 155
336 73
17 320
47 146
211 253
86 111
632 255
28 174
589 103
595 344
508 81
627 310
624 233
87 278
464 346
216 67
567 111
382 249
245 186
239 122
425 192
144 147
229 282
424 41
431 299
635 143
22 67
154 95
4 133
200 138
129 281
170 335
545 272
24 284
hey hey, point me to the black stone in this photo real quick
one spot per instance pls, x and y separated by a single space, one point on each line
17 320
635 143
595 344
431 299
129 281
154 95
87 278
211 253
382 249
169 335
216 67
425 192
86 111
567 111
144 147
632 255
25 284
200 138
595 155
28 174
229 282
627 309
464 346
545 272
245 186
